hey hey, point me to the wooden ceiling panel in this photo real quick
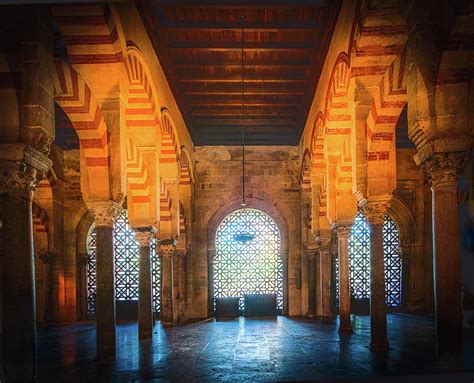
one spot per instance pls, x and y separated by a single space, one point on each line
199 46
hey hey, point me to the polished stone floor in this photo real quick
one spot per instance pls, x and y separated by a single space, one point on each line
281 349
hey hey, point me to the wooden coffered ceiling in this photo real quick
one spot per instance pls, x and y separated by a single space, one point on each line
199 46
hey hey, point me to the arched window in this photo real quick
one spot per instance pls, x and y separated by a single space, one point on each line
126 257
359 260
248 256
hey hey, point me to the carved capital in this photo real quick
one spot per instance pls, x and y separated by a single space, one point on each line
47 257
105 213
375 210
182 253
167 247
21 168
444 168
323 239
343 230
144 235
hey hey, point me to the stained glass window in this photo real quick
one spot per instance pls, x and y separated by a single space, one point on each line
359 261
126 256
252 266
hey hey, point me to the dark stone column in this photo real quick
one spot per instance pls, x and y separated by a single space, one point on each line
375 213
81 289
167 249
311 253
343 232
444 169
20 167
211 254
145 309
181 296
325 276
104 215
47 259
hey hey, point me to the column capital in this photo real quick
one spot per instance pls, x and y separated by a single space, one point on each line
323 239
21 168
145 235
342 229
104 213
181 253
375 209
444 168
167 247
47 257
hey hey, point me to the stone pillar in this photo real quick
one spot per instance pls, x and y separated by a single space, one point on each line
167 250
104 215
285 259
343 232
375 212
444 169
211 255
145 236
325 270
47 259
20 167
81 290
311 254
181 296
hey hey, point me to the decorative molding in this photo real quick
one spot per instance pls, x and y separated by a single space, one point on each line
444 168
343 230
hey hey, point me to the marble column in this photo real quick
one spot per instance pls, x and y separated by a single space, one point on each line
375 212
104 215
21 166
181 297
81 290
48 259
343 232
145 236
325 271
284 255
211 255
167 250
311 254
444 169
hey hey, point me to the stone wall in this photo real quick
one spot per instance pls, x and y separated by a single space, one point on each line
271 184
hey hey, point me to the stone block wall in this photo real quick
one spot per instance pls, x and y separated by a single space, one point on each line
271 184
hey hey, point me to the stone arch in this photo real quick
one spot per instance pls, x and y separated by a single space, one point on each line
170 146
215 218
75 98
305 172
186 168
405 220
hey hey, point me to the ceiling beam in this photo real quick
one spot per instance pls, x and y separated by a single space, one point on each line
238 4
236 63
236 26
238 78
226 46
247 92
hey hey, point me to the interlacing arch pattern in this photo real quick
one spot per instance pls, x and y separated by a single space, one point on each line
126 256
74 96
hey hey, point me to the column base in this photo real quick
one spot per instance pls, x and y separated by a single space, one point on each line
345 329
379 346
326 319
145 334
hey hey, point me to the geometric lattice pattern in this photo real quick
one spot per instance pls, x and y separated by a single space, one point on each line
359 260
126 257
252 267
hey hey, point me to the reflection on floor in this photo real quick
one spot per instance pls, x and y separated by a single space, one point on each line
246 350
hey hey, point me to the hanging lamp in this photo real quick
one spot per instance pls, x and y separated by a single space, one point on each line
243 236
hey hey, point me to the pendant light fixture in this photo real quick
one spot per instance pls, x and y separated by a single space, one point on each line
243 236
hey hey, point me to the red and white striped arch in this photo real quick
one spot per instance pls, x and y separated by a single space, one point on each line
40 222
170 146
90 33
182 220
74 96
318 162
137 176
165 211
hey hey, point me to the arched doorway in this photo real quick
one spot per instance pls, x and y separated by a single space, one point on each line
126 261
247 260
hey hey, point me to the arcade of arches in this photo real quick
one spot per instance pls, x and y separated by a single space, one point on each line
121 173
